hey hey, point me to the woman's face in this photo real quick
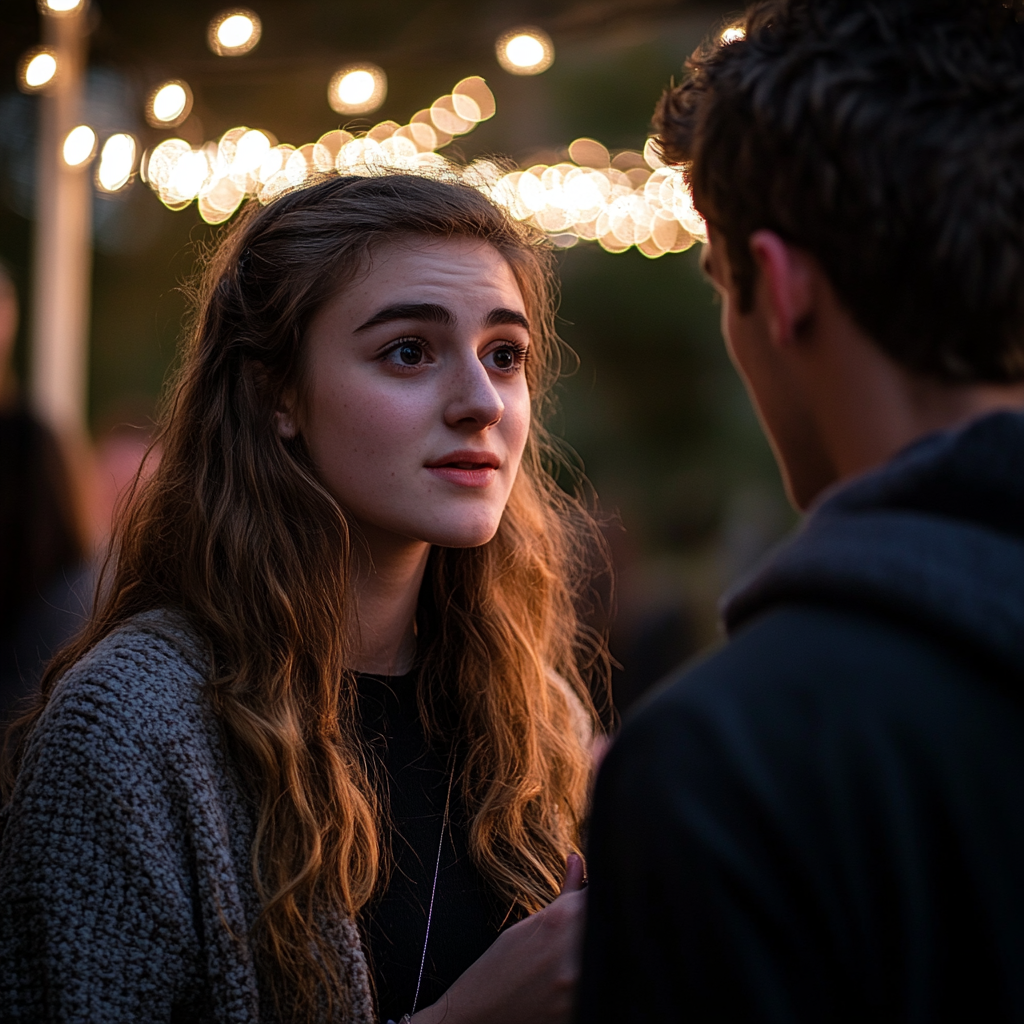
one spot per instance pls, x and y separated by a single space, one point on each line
415 406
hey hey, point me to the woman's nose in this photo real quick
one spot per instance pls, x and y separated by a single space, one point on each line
473 400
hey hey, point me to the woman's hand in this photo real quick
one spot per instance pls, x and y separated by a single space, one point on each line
529 975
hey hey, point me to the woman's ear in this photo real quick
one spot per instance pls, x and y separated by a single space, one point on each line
285 415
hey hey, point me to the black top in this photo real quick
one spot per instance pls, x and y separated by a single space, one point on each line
824 821
468 915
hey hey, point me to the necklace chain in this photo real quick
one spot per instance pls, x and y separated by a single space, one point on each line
433 888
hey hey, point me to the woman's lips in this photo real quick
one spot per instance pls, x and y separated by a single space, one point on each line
479 476
466 468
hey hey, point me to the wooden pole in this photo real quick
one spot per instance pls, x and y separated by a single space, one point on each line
63 243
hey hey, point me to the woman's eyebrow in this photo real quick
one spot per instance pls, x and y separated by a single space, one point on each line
501 316
425 312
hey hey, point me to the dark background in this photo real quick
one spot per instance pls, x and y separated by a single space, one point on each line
654 410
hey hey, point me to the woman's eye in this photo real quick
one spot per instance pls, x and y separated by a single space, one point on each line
407 353
508 357
410 355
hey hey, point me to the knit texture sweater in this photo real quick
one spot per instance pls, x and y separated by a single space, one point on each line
126 891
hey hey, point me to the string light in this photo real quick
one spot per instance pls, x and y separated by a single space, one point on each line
357 89
234 32
117 161
37 69
79 146
525 51
629 199
169 104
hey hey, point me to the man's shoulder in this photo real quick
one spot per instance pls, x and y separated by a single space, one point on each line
820 646
802 670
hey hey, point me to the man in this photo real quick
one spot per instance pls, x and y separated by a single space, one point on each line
824 821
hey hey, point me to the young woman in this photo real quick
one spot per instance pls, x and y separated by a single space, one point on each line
326 738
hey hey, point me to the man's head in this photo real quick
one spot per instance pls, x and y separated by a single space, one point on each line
881 144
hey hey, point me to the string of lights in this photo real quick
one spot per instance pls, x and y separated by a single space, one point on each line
621 200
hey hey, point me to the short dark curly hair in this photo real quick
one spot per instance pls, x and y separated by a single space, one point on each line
886 138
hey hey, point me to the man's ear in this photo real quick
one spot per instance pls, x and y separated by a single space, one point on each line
785 285
285 418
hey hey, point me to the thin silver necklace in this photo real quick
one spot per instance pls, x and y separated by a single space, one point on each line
433 892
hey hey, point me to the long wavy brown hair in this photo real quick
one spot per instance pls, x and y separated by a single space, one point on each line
236 529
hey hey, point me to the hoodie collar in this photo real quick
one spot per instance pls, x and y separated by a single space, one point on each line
936 537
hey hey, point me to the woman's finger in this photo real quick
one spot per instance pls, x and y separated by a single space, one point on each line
574 872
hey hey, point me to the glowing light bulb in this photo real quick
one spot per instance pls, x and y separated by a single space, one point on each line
40 70
525 51
234 32
357 89
79 145
251 150
169 104
37 69
733 34
117 159
60 6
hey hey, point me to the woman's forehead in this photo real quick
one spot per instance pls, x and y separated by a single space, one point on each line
456 273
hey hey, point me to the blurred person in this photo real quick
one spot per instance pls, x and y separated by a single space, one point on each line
46 580
329 730
824 821
124 445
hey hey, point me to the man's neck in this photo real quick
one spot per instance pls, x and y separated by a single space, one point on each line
868 408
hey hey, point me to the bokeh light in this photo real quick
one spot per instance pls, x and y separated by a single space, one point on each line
473 100
117 161
619 202
357 89
622 200
234 32
589 153
525 51
37 69
60 7
652 156
79 145
251 150
445 118
169 104
732 34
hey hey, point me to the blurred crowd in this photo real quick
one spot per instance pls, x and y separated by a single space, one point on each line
58 494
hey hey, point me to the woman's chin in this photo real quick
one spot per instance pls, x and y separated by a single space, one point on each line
465 534
464 539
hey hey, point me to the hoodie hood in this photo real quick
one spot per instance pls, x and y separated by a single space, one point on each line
935 537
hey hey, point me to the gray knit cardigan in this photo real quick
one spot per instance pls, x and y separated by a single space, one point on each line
125 885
